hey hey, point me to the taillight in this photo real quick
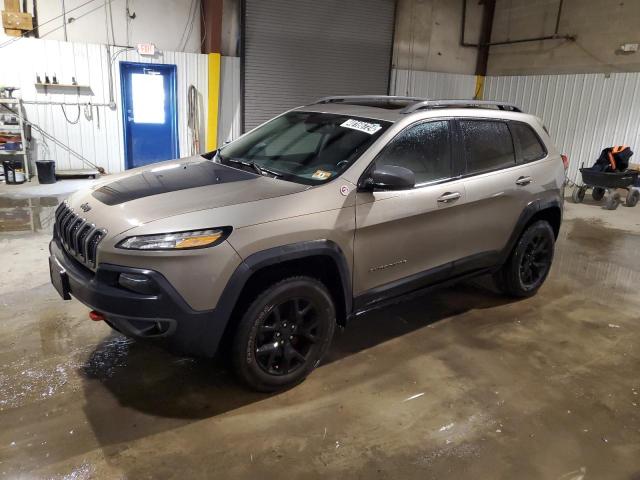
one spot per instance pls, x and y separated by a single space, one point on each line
565 161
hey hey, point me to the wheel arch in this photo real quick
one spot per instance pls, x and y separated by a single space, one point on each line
321 259
550 211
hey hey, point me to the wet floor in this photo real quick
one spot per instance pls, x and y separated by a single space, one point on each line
461 384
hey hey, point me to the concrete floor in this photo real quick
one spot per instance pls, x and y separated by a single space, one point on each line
461 384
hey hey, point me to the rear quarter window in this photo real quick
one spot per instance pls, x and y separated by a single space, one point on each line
487 145
528 145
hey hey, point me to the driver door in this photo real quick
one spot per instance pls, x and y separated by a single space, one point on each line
407 239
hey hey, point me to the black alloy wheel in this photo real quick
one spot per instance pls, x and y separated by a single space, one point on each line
529 263
283 334
536 261
286 336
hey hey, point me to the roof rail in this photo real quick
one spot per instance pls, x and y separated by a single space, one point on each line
359 98
458 103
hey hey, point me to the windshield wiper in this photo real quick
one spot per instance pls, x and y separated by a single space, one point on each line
262 170
253 165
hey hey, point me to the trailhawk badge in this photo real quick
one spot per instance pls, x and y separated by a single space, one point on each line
344 190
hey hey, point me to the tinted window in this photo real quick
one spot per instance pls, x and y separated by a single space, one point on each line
424 149
525 138
487 145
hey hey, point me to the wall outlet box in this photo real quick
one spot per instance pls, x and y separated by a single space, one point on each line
629 47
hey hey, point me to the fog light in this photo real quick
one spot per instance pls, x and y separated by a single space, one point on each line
136 283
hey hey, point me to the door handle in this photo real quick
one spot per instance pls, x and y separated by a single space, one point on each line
449 197
522 181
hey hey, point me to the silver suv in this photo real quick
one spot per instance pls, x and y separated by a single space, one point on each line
324 212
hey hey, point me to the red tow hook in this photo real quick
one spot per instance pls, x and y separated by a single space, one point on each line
96 316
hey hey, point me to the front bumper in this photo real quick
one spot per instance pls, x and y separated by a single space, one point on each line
162 315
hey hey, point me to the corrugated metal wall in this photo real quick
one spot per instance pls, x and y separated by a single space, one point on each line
583 112
229 123
99 139
432 84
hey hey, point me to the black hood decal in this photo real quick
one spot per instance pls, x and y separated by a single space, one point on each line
170 178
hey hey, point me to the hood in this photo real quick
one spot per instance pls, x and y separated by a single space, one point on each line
173 188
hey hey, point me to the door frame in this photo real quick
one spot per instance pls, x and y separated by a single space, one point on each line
173 105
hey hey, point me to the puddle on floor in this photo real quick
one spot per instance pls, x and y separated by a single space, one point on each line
28 214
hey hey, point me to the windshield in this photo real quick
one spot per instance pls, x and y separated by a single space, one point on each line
305 147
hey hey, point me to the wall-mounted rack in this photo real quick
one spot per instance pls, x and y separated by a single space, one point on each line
67 88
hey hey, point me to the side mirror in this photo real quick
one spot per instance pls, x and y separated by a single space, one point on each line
390 177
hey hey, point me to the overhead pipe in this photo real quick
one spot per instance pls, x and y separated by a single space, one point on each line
555 36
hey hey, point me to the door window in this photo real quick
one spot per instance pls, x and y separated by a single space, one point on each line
529 146
147 94
487 145
425 149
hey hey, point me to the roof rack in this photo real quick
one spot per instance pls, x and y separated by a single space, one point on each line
458 103
361 98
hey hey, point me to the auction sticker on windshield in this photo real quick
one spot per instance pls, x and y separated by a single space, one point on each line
321 174
361 126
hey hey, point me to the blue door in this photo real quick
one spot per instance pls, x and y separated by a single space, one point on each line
149 112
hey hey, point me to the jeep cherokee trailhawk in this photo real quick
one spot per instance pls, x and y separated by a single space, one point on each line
324 212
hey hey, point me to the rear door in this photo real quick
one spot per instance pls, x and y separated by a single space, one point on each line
405 239
496 187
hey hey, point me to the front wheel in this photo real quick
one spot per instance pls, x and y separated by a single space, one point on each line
632 198
529 263
578 194
284 334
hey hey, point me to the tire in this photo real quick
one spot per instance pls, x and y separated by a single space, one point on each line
598 193
529 263
578 194
275 348
613 200
632 198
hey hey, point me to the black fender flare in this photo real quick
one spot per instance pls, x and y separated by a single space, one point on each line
272 256
525 217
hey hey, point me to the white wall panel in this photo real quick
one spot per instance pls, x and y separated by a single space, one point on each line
434 85
229 124
100 139
583 112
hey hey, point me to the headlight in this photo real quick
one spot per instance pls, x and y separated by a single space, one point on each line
177 240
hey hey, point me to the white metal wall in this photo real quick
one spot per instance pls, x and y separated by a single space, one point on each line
100 141
583 112
229 124
432 84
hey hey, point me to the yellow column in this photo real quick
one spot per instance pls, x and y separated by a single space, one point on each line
479 87
213 106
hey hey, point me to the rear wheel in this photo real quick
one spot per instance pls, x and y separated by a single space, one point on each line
529 263
284 334
598 193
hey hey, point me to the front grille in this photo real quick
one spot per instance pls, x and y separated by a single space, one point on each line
79 238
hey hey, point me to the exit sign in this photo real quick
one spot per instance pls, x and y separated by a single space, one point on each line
146 49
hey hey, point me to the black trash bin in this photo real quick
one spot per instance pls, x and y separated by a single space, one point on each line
46 171
13 173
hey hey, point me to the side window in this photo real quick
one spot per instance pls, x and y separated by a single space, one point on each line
487 145
424 149
529 146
